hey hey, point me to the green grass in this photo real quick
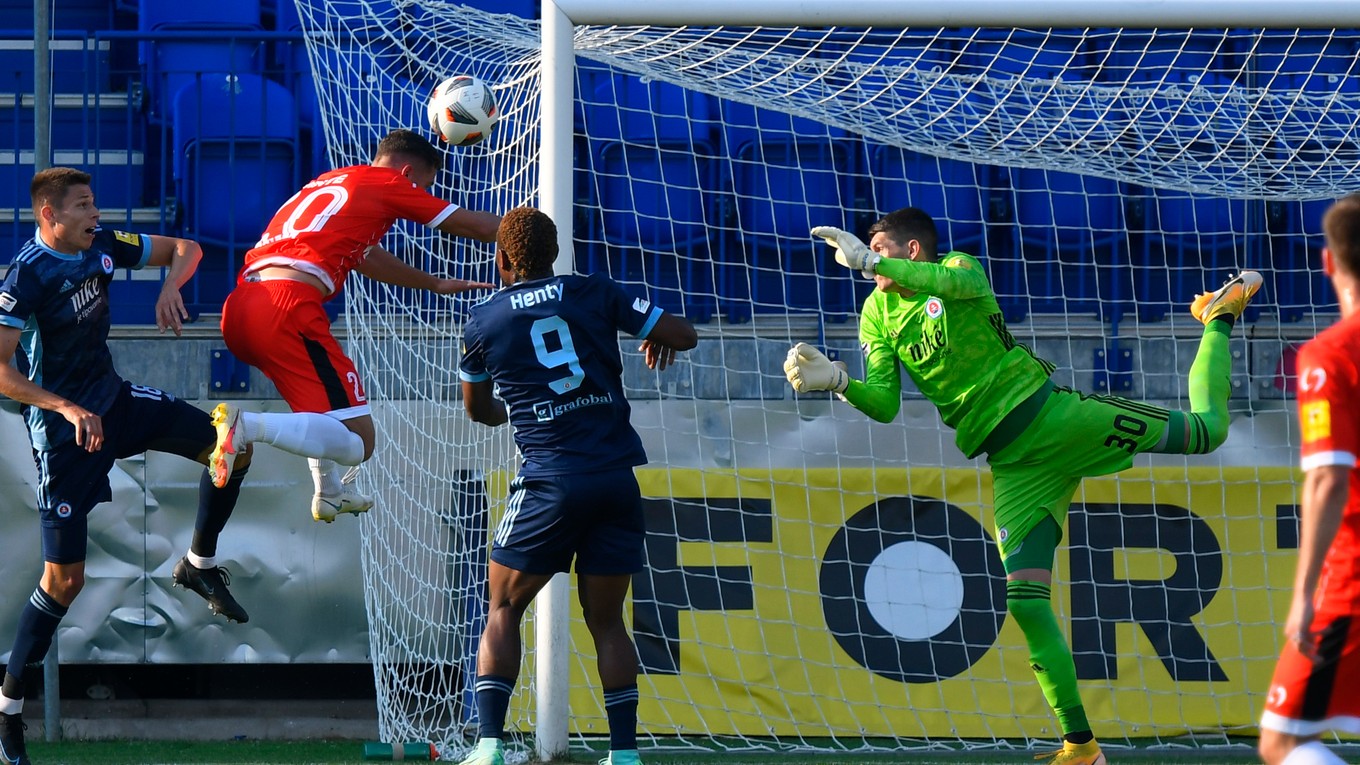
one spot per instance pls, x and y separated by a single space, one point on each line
306 752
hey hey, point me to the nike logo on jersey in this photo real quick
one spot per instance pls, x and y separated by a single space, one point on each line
534 297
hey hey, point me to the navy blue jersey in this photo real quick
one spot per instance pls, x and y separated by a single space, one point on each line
551 346
61 302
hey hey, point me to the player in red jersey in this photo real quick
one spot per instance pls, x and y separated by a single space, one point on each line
1314 688
273 320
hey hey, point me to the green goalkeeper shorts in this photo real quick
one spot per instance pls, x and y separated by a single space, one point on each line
1075 435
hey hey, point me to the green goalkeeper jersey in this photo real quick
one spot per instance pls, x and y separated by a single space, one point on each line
952 340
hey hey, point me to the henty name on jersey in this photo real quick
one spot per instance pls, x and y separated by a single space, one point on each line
535 296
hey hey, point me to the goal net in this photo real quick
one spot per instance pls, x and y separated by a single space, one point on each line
816 580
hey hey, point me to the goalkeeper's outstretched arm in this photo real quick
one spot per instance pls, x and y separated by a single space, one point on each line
879 395
958 277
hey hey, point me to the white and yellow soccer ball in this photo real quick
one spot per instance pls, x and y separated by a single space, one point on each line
463 110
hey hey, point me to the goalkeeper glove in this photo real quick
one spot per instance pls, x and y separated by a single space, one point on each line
850 251
808 369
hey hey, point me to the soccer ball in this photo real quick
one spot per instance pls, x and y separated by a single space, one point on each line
462 110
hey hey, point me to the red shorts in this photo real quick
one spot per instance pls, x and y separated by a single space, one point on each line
1309 697
279 327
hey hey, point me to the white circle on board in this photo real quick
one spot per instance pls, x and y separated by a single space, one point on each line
914 590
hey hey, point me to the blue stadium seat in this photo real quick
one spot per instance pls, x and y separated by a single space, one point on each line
365 97
1190 243
788 174
1071 235
79 65
170 64
117 175
651 155
528 9
1323 60
1292 263
235 141
1307 68
82 15
1024 53
1048 64
958 195
1172 56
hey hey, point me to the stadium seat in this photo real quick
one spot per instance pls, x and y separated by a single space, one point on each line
958 195
1292 261
1023 53
1071 234
787 175
170 64
651 158
1309 59
528 9
74 15
235 158
1182 57
1190 243
1023 73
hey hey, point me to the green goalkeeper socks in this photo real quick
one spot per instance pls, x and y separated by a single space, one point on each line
1049 656
1205 428
1210 386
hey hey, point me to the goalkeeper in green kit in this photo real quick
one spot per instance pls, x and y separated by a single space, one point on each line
936 316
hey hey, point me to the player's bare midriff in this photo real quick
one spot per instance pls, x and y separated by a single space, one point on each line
269 273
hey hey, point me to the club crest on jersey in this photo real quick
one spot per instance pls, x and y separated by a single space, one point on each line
64 510
934 308
107 263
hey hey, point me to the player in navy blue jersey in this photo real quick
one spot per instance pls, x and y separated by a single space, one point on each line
550 346
54 312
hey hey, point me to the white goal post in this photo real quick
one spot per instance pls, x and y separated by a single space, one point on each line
818 581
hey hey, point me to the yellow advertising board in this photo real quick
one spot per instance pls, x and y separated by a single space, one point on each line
872 602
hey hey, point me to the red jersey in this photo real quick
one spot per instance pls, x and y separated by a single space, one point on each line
326 228
1329 417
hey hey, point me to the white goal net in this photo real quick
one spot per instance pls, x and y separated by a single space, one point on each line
816 580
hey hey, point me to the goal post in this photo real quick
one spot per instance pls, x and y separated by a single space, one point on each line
817 581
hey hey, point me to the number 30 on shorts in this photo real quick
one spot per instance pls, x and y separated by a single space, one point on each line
1129 425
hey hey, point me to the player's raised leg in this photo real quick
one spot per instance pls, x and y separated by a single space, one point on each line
280 327
1205 427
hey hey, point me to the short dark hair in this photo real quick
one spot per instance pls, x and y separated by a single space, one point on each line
528 237
1341 229
906 224
411 145
49 186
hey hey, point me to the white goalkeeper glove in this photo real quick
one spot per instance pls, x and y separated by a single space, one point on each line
850 251
808 369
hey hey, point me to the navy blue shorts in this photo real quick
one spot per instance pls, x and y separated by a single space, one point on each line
594 517
71 481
